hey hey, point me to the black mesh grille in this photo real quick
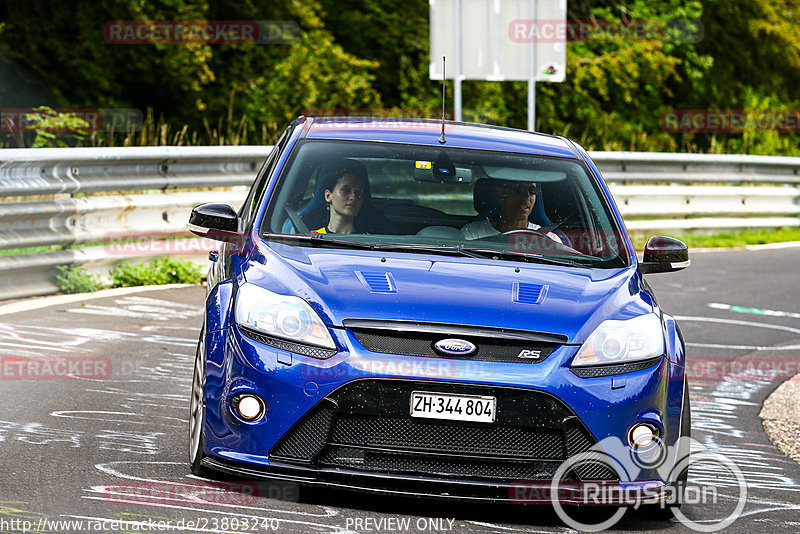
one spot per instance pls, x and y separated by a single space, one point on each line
421 344
591 470
435 437
432 466
608 370
366 426
578 441
306 441
290 346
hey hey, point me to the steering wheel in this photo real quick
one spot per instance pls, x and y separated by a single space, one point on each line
530 243
556 226
526 231
299 225
528 238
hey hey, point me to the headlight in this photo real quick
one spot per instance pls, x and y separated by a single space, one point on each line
285 317
627 341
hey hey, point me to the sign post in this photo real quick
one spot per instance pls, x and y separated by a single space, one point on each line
499 40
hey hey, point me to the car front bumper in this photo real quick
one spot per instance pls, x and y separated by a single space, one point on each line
341 423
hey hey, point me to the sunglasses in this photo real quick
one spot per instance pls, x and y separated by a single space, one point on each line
519 189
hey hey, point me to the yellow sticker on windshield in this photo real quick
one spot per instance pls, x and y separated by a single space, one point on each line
423 164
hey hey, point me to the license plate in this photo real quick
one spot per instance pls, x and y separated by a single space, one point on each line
453 407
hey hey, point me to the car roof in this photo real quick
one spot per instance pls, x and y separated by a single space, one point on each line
428 132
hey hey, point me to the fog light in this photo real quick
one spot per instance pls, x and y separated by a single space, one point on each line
642 436
248 407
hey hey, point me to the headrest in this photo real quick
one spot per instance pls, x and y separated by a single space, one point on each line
483 198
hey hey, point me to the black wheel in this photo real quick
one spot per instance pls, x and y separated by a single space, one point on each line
197 411
684 452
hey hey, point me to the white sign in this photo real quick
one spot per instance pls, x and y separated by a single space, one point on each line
497 38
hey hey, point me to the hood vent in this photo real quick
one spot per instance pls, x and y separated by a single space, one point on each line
377 282
529 293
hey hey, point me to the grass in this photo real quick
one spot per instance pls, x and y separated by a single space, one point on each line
159 131
160 271
734 238
166 270
73 279
28 250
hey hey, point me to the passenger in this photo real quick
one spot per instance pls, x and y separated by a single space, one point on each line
516 200
344 195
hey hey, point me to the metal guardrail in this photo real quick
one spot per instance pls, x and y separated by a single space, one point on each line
672 191
733 202
44 171
644 167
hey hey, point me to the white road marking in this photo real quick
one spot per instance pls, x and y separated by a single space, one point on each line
112 471
754 311
46 302
738 323
93 415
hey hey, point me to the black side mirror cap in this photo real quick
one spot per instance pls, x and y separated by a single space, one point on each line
664 255
215 221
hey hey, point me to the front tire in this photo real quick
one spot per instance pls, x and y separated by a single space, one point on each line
197 411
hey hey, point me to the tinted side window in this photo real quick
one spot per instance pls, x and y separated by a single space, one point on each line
248 209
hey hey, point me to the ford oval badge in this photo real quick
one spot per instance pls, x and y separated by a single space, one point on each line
454 347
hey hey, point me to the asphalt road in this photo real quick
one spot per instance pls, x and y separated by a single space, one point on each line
110 449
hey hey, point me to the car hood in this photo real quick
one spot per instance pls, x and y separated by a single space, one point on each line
353 284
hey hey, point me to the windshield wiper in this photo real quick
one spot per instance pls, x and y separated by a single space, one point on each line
457 250
524 256
321 240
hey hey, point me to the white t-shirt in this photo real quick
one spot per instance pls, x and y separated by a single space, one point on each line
484 228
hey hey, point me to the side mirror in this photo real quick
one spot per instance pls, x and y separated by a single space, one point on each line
664 255
215 221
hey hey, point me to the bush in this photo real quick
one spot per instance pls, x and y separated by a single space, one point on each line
74 279
157 272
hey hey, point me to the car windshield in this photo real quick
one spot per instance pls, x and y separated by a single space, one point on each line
477 203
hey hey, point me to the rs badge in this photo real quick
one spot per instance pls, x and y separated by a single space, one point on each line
526 354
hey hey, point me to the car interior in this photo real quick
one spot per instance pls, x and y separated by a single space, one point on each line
406 196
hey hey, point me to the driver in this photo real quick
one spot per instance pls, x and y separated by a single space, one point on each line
516 200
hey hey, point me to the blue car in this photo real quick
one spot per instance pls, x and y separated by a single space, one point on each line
435 309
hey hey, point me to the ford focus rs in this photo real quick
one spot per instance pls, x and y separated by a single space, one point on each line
443 310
